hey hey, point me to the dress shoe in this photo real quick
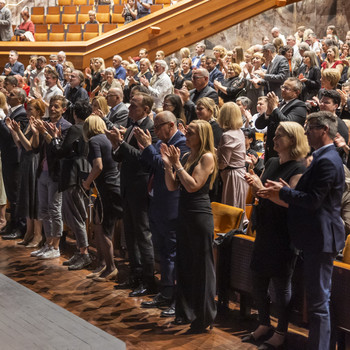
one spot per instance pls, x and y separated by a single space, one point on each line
126 285
33 245
22 242
169 312
109 277
72 259
6 229
142 290
268 346
157 301
13 235
180 321
83 260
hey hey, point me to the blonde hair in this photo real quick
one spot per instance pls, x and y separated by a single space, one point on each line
221 49
102 62
230 117
210 105
205 133
133 67
93 126
332 75
102 102
295 131
235 67
185 52
3 104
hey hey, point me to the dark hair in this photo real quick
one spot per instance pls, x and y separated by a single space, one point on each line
64 101
175 100
212 58
250 133
333 95
284 49
11 80
140 88
82 109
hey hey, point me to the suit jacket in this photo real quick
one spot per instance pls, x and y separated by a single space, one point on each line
277 72
315 203
9 151
119 116
6 32
293 111
17 68
215 74
164 203
190 105
133 175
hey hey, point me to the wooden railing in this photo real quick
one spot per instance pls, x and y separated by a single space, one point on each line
171 28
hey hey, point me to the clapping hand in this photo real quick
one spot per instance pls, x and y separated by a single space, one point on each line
254 181
15 126
272 189
35 131
114 136
164 151
53 130
144 139
272 102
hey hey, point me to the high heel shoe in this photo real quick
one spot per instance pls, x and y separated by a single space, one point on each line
23 242
96 274
110 276
268 346
33 245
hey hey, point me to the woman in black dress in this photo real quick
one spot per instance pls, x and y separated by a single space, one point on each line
194 174
107 207
273 257
27 202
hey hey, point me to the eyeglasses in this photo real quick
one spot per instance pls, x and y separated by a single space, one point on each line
284 87
157 127
309 127
194 77
109 95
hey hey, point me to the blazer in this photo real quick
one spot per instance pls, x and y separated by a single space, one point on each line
293 111
133 175
6 32
9 151
215 74
190 105
277 72
315 203
164 203
119 116
17 68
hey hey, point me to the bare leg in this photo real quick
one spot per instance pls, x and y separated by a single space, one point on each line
106 250
2 216
55 242
101 263
30 231
37 231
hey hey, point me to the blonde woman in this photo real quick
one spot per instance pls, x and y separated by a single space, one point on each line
107 208
99 106
194 174
232 156
273 257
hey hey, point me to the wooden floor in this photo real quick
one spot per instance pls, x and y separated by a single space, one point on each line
114 312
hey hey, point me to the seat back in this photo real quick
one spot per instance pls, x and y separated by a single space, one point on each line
226 218
90 31
108 27
157 7
41 32
57 32
117 18
64 2
38 15
80 2
259 136
73 32
103 13
53 15
69 15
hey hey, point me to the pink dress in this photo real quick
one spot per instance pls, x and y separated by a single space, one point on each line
231 158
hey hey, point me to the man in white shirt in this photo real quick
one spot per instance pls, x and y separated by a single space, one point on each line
275 32
160 84
37 77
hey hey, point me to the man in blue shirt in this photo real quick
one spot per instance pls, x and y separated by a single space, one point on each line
143 8
120 72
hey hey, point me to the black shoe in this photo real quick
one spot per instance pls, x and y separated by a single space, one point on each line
6 230
251 339
169 312
72 259
83 260
158 301
179 321
128 284
13 235
142 290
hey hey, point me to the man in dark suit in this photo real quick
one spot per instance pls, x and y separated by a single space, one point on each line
133 183
214 73
118 114
289 109
10 157
163 209
277 70
13 67
314 220
200 80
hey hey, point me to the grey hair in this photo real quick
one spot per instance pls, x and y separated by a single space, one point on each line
327 119
269 47
162 63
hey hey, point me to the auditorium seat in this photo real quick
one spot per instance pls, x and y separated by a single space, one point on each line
83 13
69 15
162 2
108 27
57 32
226 218
64 2
73 32
259 136
117 14
155 8
90 31
14 37
83 2
53 15
103 13
41 32
38 15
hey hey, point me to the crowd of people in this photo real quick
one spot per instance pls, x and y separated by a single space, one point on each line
159 142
